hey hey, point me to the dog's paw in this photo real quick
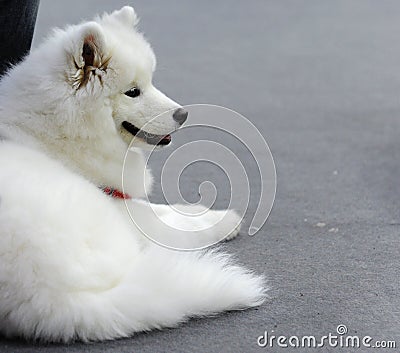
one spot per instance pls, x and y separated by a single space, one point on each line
225 224
234 233
236 222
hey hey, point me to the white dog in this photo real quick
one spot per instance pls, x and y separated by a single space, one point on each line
72 263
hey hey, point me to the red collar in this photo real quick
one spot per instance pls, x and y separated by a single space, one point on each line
115 193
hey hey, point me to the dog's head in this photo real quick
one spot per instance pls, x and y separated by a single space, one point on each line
109 61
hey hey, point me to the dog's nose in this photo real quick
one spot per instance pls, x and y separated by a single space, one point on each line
180 115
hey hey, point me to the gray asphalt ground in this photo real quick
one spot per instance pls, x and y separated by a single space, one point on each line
321 81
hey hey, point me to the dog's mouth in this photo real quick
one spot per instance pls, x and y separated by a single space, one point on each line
152 139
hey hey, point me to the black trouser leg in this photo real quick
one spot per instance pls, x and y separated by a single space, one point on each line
17 22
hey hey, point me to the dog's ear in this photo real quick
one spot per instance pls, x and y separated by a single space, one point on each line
126 16
90 45
88 53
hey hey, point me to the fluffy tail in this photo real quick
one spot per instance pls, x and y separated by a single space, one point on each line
162 289
168 287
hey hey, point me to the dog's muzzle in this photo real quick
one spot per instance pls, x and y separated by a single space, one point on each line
180 116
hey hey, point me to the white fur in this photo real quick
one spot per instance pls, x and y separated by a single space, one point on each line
72 264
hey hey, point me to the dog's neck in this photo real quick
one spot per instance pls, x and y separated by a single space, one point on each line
96 152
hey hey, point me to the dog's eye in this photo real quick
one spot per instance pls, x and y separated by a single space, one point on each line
134 92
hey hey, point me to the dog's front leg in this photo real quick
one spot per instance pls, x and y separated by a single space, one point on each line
184 226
